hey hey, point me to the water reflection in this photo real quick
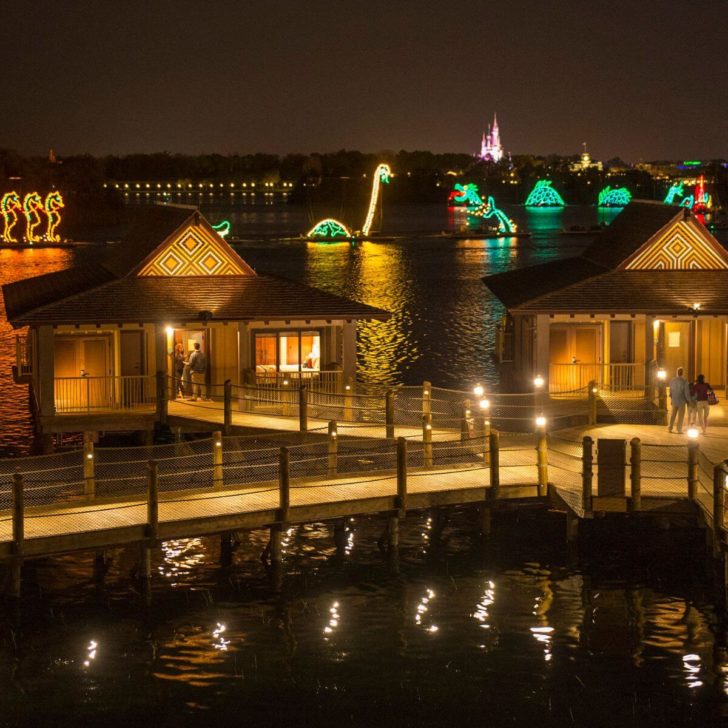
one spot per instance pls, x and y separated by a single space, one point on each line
91 650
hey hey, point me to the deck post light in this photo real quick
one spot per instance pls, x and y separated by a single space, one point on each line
478 390
693 433
661 375
541 422
484 404
538 381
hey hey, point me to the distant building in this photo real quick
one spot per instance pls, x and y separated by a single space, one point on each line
585 162
491 149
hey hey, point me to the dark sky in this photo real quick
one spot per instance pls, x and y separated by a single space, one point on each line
635 78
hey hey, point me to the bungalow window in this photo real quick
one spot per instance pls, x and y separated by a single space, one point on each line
288 351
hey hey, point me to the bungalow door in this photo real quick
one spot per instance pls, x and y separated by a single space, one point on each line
574 356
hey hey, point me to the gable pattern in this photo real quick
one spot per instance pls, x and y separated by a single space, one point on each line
682 246
195 252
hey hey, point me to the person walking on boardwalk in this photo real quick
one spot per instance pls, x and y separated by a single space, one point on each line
679 397
178 363
198 367
702 388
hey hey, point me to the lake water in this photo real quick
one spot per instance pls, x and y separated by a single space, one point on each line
520 633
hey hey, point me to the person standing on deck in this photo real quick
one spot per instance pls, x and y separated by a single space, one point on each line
701 395
198 366
178 362
679 397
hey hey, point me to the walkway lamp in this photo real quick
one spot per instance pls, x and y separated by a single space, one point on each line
484 405
541 422
693 433
538 381
661 375
478 390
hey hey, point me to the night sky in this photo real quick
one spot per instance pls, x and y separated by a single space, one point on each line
636 78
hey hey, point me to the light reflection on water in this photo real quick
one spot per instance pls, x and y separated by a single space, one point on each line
518 635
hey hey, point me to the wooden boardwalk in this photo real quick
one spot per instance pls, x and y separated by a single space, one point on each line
538 469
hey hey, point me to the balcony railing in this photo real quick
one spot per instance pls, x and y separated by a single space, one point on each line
97 394
610 378
327 382
23 355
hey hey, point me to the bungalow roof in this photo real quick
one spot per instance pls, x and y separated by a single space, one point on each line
121 287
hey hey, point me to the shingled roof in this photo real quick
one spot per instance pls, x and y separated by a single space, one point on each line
112 292
593 282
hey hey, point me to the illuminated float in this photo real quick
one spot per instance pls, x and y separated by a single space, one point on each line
35 210
614 197
331 230
222 228
467 196
544 195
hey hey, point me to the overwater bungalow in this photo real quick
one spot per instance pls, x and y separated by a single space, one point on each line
650 293
100 336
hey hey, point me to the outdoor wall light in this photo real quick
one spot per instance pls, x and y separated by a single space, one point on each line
168 330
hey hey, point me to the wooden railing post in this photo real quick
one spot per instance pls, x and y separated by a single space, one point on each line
593 390
662 400
542 460
89 479
284 485
635 474
494 441
401 476
484 429
303 408
162 404
389 414
693 455
227 407
587 472
465 421
427 440
426 398
333 447
18 535
152 501
218 475
720 482
349 400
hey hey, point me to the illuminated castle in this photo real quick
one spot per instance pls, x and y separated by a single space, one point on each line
491 149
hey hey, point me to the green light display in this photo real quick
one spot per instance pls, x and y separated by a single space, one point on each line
617 197
543 195
329 229
222 228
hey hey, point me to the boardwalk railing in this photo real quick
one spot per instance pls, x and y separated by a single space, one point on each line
88 394
402 406
610 378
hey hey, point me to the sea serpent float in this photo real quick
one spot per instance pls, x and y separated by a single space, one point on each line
34 209
468 196
332 230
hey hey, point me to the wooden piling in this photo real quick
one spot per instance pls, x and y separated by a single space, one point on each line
284 484
719 487
152 501
227 407
401 500
465 415
593 391
333 448
276 543
572 527
693 457
542 461
484 430
226 549
389 414
427 440
218 477
635 474
587 472
89 479
494 489
303 408
162 403
16 564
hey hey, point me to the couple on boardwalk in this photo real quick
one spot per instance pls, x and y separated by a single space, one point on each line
185 369
696 397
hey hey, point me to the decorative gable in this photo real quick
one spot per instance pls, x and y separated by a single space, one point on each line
681 245
196 251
